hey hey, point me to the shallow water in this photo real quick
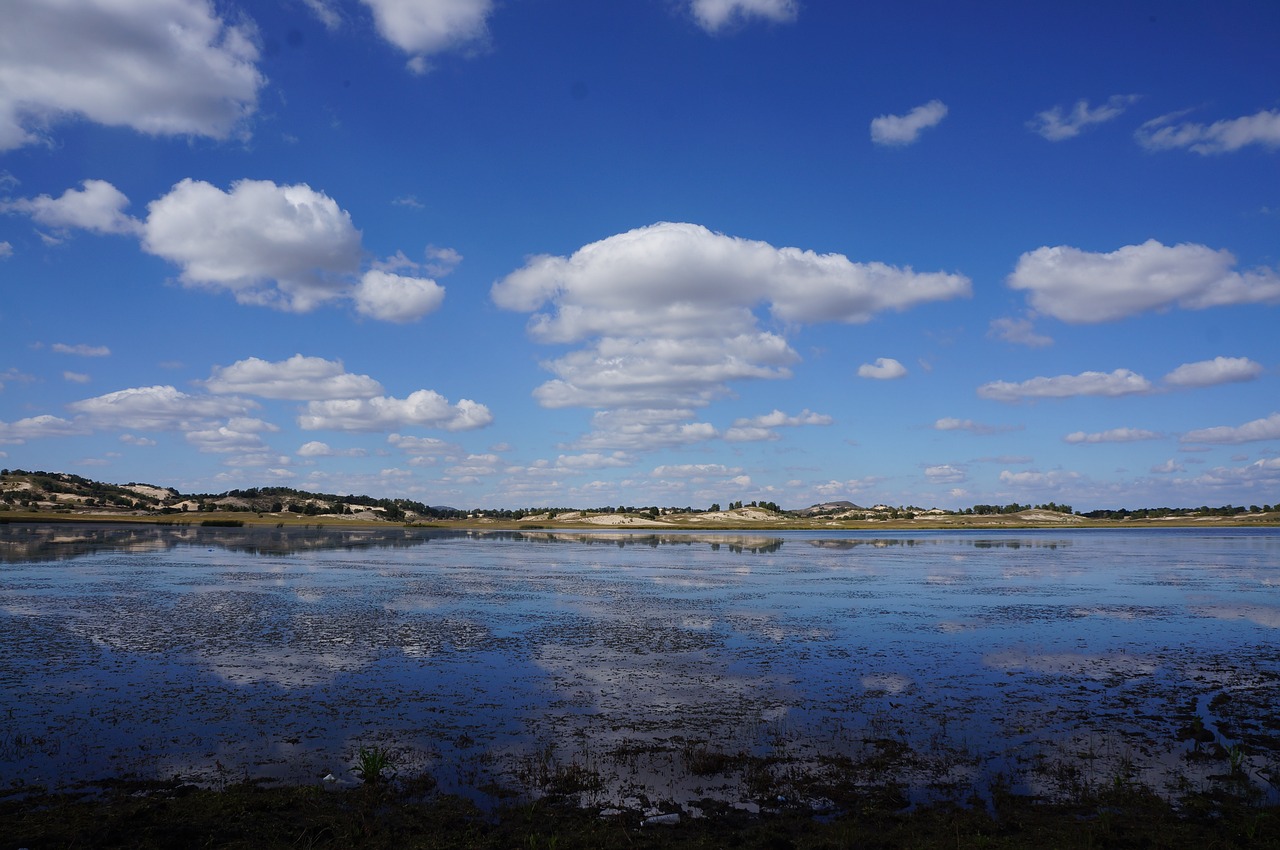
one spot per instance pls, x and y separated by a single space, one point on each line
671 666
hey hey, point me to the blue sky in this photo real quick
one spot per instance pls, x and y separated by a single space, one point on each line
514 253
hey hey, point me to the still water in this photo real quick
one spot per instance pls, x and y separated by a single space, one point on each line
635 666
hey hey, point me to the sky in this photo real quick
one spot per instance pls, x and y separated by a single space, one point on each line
573 253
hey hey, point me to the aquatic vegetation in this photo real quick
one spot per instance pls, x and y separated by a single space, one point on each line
373 764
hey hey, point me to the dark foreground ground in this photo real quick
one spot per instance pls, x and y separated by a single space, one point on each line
400 815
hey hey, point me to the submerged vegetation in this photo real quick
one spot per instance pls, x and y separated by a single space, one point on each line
410 814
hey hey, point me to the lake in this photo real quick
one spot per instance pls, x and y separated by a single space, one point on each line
635 667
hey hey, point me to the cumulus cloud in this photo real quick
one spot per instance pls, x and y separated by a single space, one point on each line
1261 475
667 312
592 460
756 428
158 408
642 430
899 130
423 408
81 349
1056 124
242 434
1018 331
1219 370
1258 429
1038 480
298 378
945 474
6 250
35 427
289 247
423 28
715 15
97 207
396 298
1117 383
1167 133
884 369
1169 467
1115 435
1083 287
76 377
162 67
419 445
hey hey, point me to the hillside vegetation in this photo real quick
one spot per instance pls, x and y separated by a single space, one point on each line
60 495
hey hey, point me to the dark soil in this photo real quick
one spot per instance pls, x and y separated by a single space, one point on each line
131 815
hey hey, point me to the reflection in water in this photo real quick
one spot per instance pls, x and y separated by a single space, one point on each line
277 652
20 542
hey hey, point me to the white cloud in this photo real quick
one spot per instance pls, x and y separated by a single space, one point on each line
475 465
952 424
638 372
6 250
762 427
1164 133
667 311
325 12
396 298
163 67
1219 370
12 375
1117 383
98 207
642 430
906 129
420 445
35 427
441 261
696 472
1038 480
315 448
81 349
1082 287
422 28
158 407
423 408
134 440
1019 332
1258 429
298 378
289 247
884 369
238 435
945 474
1115 435
1169 467
592 460
715 15
1056 125
76 377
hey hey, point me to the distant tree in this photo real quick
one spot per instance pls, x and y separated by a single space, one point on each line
715 506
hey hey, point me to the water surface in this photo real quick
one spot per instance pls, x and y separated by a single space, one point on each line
662 666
